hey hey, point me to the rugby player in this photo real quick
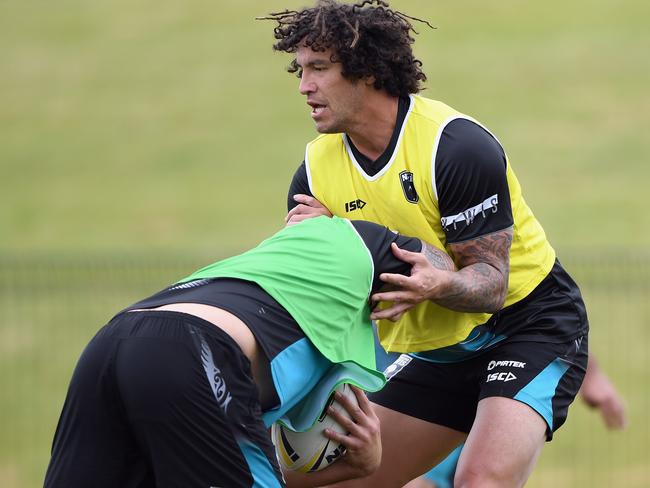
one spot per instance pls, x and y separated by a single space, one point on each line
498 346
179 389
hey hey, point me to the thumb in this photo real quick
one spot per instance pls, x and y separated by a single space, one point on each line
404 255
307 200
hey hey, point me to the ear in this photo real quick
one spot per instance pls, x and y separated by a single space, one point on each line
369 80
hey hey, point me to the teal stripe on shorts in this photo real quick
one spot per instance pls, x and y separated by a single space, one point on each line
540 391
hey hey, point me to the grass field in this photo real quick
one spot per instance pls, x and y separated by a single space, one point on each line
169 130
157 125
49 309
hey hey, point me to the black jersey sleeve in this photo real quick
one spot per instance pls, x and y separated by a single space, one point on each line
299 184
378 240
470 180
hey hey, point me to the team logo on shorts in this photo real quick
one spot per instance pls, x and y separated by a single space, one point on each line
507 364
504 376
406 179
397 366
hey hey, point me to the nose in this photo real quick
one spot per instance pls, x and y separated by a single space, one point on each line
306 86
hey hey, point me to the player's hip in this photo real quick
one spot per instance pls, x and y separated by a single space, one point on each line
544 375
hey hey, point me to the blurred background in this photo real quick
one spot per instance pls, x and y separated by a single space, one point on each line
139 140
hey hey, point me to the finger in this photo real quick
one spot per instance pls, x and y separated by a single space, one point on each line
301 209
306 212
349 405
347 423
396 318
307 200
614 415
293 220
406 256
362 401
395 279
394 296
302 216
298 209
609 418
359 407
392 313
349 441
392 317
298 218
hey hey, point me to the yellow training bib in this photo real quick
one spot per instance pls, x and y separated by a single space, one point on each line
402 197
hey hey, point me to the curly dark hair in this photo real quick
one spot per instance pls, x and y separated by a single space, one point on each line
367 38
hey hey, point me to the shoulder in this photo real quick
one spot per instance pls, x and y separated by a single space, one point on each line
433 111
367 228
464 140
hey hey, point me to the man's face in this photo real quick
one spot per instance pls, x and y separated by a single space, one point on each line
336 102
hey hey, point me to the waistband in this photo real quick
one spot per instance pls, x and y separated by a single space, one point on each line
162 324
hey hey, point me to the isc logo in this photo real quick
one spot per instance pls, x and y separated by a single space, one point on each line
354 205
504 376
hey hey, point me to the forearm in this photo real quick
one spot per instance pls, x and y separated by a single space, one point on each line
481 284
479 287
332 474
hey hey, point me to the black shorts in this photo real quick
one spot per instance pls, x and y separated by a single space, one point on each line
162 399
544 375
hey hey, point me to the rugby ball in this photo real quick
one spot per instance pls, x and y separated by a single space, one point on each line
311 451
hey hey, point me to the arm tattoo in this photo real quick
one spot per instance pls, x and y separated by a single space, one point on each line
481 284
438 258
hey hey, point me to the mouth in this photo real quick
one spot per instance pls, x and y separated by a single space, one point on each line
317 109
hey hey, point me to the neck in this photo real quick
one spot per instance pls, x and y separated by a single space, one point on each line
371 135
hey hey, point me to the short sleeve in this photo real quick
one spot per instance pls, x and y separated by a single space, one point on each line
299 184
378 240
471 183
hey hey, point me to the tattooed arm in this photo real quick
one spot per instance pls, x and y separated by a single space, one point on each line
437 258
479 285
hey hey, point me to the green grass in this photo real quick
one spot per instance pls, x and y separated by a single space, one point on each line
170 130
583 452
153 126
50 307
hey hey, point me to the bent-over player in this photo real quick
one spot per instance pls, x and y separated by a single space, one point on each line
180 388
